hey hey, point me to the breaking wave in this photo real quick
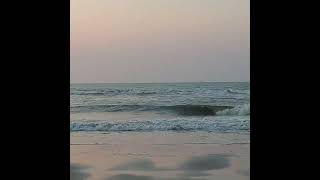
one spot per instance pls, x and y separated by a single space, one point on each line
222 125
242 110
234 91
185 110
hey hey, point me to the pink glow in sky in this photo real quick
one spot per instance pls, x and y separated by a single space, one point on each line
160 40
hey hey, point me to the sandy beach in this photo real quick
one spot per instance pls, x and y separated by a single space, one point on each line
159 155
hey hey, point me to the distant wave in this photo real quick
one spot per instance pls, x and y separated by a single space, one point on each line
234 91
94 92
185 110
111 92
210 125
242 110
88 93
145 93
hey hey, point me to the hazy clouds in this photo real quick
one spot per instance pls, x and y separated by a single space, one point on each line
160 40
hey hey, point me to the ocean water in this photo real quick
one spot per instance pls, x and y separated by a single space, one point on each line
160 107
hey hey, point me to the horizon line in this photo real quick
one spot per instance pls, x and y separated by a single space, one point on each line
159 82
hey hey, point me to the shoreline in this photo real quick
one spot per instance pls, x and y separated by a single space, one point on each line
160 156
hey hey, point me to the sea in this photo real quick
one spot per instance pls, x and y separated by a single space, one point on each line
210 107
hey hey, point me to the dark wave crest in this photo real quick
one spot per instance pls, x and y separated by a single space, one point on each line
186 110
191 110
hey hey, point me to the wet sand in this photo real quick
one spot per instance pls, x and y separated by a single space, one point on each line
159 155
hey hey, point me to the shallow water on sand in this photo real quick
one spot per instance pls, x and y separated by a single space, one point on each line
158 155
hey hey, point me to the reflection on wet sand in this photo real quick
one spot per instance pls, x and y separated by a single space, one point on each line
78 172
143 164
193 174
129 177
142 160
207 162
244 172
136 177
194 167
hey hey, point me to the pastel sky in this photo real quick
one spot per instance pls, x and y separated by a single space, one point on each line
160 40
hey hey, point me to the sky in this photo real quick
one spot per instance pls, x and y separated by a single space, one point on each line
119 41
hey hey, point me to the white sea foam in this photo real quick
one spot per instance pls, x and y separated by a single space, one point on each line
222 124
242 110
